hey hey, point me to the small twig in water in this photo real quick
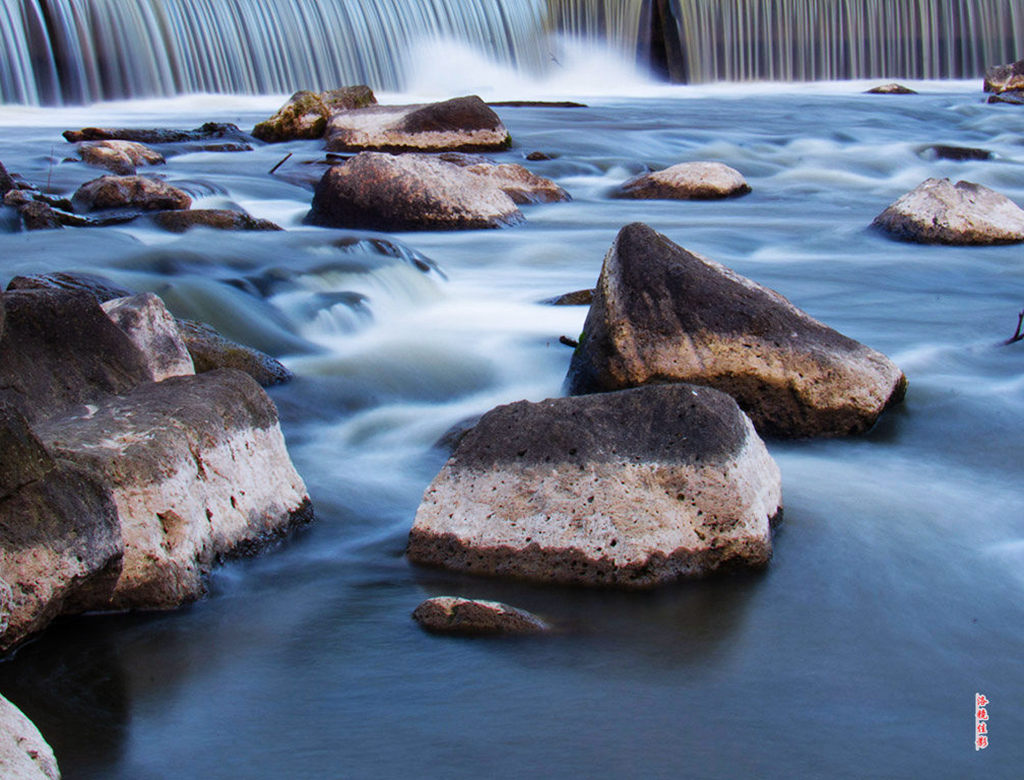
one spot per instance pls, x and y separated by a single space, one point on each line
281 163
568 342
49 173
1017 336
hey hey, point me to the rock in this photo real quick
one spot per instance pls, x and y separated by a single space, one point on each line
687 181
219 219
119 157
210 350
129 192
890 89
539 156
1013 97
306 113
24 754
376 191
663 314
7 183
943 152
576 298
463 124
1005 78
535 104
628 489
60 350
453 615
25 459
198 470
153 329
939 212
210 130
101 288
514 180
34 215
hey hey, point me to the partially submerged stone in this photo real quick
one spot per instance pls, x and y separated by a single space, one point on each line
687 181
305 114
628 489
890 89
210 350
181 221
463 124
523 186
119 157
939 212
153 329
663 314
99 287
958 153
1015 97
474 617
160 135
129 192
375 191
575 298
1004 78
24 754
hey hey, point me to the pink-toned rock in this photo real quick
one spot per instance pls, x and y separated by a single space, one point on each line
687 181
153 329
520 184
119 157
474 617
1005 78
305 114
129 192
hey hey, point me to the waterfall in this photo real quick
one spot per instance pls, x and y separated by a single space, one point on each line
78 51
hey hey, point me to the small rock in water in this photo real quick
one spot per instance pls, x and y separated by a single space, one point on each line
890 89
940 212
1013 97
129 192
1004 78
576 298
687 181
539 156
210 130
305 115
958 153
210 350
119 157
454 615
219 219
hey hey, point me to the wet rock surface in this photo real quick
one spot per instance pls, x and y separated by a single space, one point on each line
470 617
206 132
180 221
686 181
24 754
628 489
1005 78
146 321
663 314
890 89
119 157
210 350
129 192
306 113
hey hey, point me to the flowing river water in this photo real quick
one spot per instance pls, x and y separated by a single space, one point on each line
896 588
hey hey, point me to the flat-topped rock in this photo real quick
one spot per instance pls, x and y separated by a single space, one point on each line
180 221
24 754
890 89
940 212
305 114
463 124
375 191
663 314
139 193
1005 78
627 489
119 157
160 135
473 617
687 181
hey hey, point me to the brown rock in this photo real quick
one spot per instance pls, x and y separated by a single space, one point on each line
939 212
514 180
306 113
24 754
218 219
208 131
472 617
1014 97
153 329
7 183
890 89
384 192
101 288
129 192
119 157
629 489
462 124
663 314
210 350
687 181
1005 78
575 298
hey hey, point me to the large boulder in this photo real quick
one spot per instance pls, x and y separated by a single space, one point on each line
160 135
305 114
939 212
375 191
129 192
475 617
60 543
663 314
686 181
24 754
1005 78
198 469
627 489
463 124
119 157
153 329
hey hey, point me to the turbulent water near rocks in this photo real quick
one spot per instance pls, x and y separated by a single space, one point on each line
896 589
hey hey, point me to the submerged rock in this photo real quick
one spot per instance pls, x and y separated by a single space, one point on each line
575 298
628 489
454 615
890 89
305 114
208 131
377 191
687 181
24 754
939 212
1004 78
958 153
119 157
663 314
129 192
463 124
181 221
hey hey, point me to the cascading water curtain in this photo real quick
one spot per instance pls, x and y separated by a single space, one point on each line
801 40
621 23
77 51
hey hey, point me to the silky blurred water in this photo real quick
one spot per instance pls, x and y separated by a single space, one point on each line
896 588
